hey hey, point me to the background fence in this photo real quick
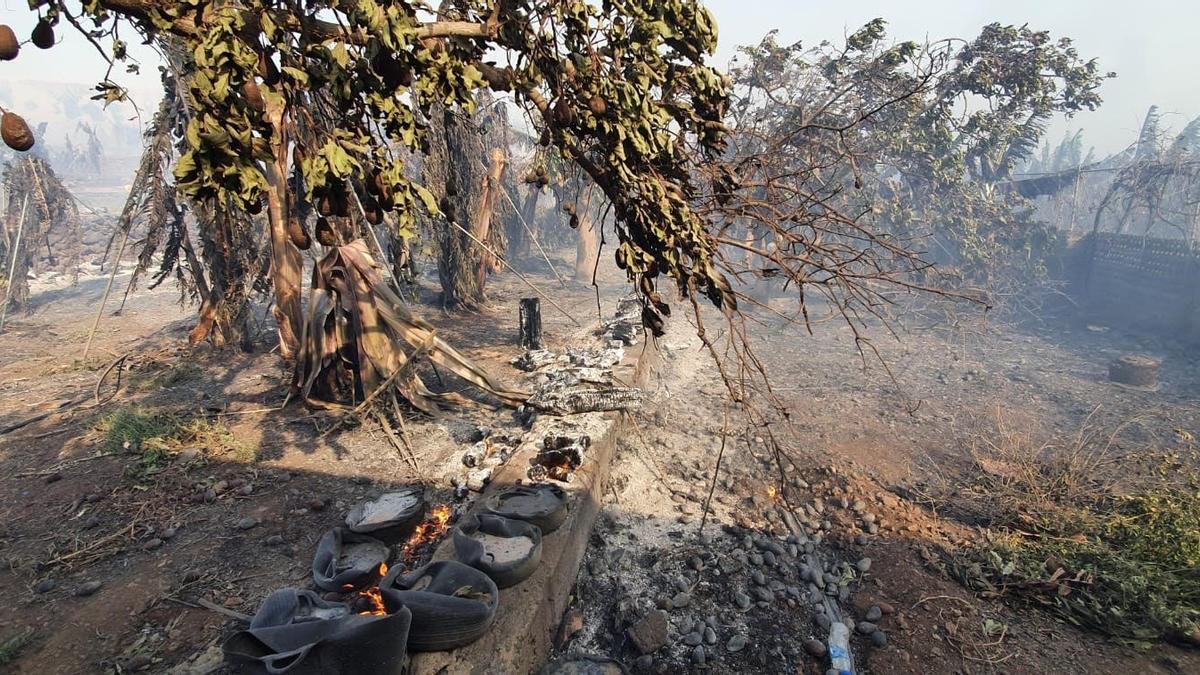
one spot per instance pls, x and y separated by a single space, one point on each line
1143 284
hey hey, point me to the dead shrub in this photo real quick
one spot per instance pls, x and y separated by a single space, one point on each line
1107 540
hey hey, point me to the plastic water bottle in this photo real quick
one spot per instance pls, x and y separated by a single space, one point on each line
839 649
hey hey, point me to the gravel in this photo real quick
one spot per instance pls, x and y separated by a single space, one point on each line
650 633
815 648
736 643
87 588
742 600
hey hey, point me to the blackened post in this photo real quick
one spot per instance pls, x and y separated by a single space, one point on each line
530 315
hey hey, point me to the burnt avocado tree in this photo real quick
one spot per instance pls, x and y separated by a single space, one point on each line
620 88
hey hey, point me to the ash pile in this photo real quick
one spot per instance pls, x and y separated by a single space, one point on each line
579 380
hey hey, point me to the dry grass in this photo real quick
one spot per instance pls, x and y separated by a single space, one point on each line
155 434
1106 538
11 648
170 376
1021 470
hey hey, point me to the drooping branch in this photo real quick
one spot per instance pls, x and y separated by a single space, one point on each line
164 15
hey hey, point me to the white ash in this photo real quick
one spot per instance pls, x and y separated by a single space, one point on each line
386 508
503 550
477 480
534 359
357 556
595 358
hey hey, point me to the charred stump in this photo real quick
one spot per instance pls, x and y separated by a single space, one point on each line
1134 370
530 317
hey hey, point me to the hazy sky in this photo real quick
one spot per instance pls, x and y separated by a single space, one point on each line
1153 45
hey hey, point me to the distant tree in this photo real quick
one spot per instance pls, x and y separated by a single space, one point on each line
886 149
1155 187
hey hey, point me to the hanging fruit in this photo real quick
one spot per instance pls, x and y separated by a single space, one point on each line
325 205
598 106
341 203
383 189
371 210
394 74
43 35
563 114
9 47
254 95
325 234
16 132
298 234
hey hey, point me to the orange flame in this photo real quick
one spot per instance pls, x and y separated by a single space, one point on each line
374 597
428 531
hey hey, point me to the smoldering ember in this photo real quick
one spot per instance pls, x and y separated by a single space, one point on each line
599 337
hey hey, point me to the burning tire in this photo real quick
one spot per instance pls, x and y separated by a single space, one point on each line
291 605
293 633
452 604
541 504
347 560
506 550
391 517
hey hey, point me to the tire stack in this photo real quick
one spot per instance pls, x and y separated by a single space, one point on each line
442 606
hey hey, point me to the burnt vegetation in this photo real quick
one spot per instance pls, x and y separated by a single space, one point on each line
310 162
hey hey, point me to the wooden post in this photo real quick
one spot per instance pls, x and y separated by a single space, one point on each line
530 318
13 265
1075 202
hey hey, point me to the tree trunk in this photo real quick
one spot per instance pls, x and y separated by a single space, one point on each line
232 264
587 248
481 227
454 171
404 266
287 266
520 239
